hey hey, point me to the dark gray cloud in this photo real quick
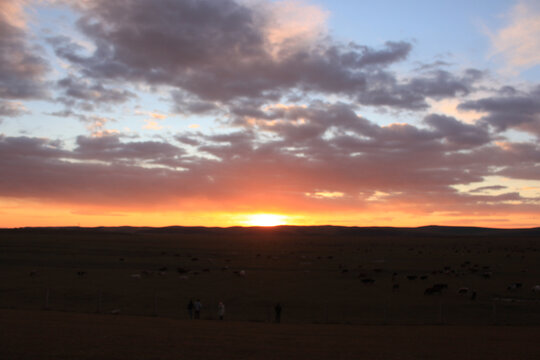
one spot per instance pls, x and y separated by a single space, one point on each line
215 53
510 109
87 95
457 133
111 149
22 68
412 94
11 109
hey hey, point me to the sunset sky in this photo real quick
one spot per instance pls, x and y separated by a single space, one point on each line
254 112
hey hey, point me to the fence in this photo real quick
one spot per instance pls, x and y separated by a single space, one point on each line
387 311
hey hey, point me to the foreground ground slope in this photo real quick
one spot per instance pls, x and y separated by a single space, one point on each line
33 335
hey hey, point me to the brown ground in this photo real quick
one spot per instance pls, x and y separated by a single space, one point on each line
33 335
316 273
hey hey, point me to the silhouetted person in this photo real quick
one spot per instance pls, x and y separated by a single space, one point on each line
198 308
190 307
221 310
277 309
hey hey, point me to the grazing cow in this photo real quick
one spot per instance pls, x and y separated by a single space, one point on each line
32 273
487 274
423 277
514 286
81 273
441 286
463 291
181 270
435 289
368 281
163 269
395 287
411 277
241 273
432 290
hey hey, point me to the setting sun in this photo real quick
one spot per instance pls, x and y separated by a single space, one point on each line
265 220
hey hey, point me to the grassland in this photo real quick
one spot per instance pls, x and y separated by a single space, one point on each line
40 335
351 291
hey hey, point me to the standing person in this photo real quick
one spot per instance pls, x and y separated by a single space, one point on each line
190 307
277 309
198 308
221 310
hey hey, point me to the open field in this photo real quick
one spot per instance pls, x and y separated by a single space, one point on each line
347 293
320 275
32 335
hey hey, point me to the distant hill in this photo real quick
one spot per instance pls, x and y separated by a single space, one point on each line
328 230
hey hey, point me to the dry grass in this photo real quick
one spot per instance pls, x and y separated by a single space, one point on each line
32 335
316 273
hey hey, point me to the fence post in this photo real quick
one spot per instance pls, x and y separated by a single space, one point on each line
47 299
326 309
99 308
385 312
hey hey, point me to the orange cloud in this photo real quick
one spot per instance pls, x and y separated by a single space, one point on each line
12 12
519 42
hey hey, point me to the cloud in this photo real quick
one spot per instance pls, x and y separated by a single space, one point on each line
332 159
288 25
216 54
487 188
509 109
22 68
12 109
457 133
281 141
87 95
518 43
152 125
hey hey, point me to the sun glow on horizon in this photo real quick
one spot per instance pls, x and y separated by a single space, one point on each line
265 220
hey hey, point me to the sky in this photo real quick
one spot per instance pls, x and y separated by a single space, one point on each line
259 112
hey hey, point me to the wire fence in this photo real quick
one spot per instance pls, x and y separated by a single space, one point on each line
497 310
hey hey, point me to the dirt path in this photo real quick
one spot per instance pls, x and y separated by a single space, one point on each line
53 335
